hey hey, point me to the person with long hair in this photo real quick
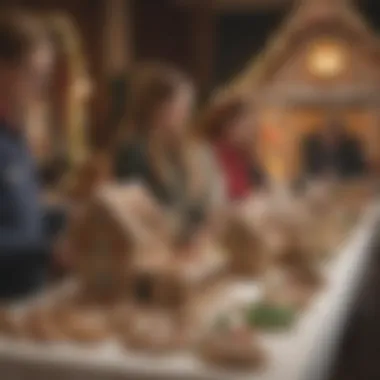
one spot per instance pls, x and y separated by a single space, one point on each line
159 151
27 225
229 126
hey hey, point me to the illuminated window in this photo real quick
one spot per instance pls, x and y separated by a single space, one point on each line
327 59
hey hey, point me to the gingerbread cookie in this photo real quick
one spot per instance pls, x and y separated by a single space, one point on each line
233 347
154 332
10 325
119 320
40 325
85 326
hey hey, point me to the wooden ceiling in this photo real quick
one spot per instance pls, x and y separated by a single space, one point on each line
231 5
236 5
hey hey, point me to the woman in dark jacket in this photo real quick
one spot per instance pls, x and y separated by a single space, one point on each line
159 153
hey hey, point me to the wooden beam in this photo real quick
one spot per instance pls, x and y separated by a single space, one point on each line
91 18
203 40
118 41
235 5
306 95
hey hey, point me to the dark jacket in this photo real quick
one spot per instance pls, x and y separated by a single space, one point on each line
22 245
345 159
132 163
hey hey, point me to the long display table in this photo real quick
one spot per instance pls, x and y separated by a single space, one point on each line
304 352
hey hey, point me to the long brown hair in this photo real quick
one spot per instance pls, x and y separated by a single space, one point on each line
154 85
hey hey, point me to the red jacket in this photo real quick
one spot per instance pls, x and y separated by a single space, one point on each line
236 171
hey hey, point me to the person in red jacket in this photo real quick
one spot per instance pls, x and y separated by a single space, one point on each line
230 127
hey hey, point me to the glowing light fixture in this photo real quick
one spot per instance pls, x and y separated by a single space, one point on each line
327 59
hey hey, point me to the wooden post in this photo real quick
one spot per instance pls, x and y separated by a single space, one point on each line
118 41
203 39
117 57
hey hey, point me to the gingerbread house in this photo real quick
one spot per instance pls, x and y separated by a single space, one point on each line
322 65
125 254
247 250
116 223
179 289
172 279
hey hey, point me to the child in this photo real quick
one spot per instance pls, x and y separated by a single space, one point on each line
229 126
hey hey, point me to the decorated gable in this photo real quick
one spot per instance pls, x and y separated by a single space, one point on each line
322 68
325 61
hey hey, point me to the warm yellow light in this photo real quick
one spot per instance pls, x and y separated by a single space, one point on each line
327 59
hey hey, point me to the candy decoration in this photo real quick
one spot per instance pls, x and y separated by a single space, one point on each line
270 317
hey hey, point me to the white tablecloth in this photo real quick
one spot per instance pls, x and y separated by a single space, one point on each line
306 349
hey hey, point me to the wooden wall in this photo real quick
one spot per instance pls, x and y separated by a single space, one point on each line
161 32
184 36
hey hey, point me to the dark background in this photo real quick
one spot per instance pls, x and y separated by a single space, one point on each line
212 46
239 37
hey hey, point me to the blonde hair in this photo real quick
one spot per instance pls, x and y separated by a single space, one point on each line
66 32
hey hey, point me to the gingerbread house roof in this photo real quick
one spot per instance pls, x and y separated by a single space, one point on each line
208 260
308 16
127 204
